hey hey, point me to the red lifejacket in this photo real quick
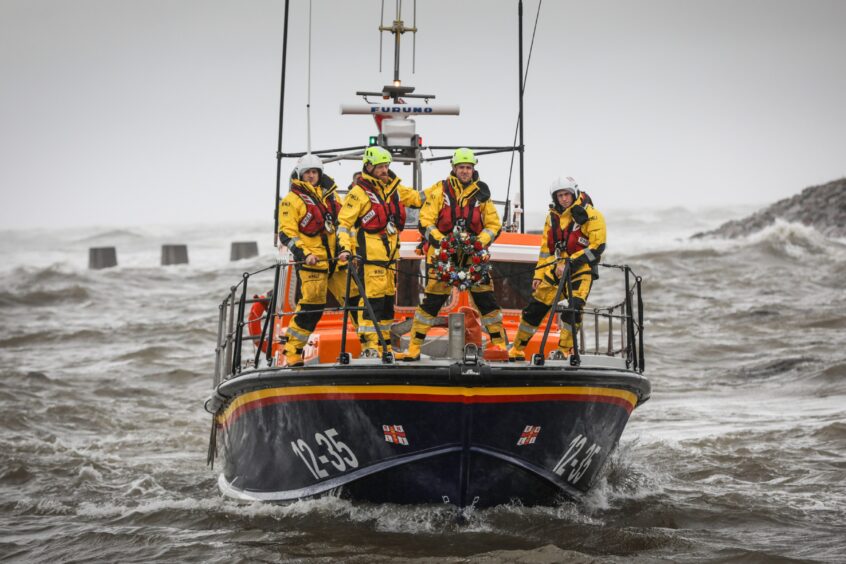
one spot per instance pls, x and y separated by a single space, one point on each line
451 212
314 221
568 240
381 212
334 206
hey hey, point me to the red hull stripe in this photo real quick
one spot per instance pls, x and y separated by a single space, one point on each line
245 403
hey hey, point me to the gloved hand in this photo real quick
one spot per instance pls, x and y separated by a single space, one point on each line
579 261
484 193
434 240
579 214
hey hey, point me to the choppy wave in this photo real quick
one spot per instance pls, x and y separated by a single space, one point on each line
45 298
89 337
781 240
738 456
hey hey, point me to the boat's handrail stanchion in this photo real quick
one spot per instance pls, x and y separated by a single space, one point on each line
279 304
595 330
344 357
642 364
575 360
387 356
538 359
269 321
230 343
631 356
218 350
239 331
610 350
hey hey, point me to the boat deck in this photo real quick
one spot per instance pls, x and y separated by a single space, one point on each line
586 361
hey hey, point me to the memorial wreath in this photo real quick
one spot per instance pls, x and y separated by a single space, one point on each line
461 260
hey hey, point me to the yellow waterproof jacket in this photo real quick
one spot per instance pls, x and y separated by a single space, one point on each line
583 259
434 202
292 210
372 246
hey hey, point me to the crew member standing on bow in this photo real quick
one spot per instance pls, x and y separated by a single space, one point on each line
464 201
370 222
574 229
307 221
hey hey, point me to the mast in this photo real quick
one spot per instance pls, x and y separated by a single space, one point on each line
520 118
281 118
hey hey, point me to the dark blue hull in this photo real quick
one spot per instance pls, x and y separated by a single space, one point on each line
480 437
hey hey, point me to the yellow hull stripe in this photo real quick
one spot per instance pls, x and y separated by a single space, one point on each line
414 393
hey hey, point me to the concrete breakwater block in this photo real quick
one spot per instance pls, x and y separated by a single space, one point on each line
102 257
174 254
243 249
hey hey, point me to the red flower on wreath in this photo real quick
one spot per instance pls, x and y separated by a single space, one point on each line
462 261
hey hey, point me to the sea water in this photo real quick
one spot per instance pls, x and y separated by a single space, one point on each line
740 455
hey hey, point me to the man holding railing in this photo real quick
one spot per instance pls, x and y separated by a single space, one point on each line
574 229
369 224
307 222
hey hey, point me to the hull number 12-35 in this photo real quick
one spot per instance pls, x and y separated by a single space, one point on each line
331 452
578 467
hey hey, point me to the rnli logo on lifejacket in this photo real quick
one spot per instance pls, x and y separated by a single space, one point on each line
583 241
395 435
529 435
368 216
306 219
405 109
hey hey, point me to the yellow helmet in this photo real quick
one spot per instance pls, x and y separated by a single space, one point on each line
376 155
464 155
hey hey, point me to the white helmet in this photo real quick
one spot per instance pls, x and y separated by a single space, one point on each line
567 183
308 162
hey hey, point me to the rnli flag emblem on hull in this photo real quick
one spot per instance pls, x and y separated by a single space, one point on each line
529 435
395 434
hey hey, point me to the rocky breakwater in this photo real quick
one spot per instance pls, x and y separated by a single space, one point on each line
821 207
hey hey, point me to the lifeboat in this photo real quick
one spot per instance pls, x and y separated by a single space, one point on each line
462 426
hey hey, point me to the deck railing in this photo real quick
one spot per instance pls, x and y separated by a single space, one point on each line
616 330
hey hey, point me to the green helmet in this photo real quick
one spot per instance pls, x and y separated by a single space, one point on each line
376 155
464 155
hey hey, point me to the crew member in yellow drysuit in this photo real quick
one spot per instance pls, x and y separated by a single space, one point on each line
465 201
307 222
370 222
574 229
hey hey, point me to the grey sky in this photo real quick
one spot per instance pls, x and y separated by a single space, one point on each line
134 112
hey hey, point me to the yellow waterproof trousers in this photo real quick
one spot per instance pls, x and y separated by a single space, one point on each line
379 281
541 303
313 285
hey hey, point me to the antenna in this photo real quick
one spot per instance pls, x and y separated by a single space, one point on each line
381 25
397 28
308 88
414 41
